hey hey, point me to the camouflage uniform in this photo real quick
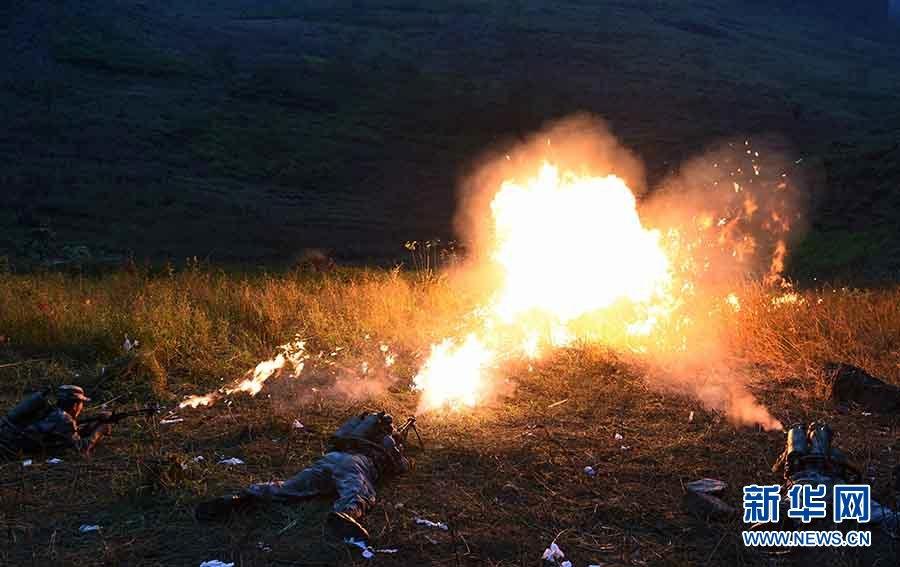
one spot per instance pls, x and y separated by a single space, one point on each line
351 474
361 452
58 430
42 426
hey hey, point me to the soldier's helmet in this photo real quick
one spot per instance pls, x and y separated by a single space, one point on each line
71 393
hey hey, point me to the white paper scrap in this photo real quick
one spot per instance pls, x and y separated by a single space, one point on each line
430 524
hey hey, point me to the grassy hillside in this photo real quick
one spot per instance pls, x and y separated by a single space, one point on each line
244 131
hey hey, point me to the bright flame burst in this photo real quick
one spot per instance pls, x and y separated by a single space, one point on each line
550 218
567 246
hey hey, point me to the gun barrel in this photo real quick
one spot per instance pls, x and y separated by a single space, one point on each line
117 416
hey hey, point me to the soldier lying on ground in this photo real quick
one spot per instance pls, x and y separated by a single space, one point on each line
363 450
36 425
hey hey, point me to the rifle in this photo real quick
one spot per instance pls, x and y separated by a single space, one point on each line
115 417
404 429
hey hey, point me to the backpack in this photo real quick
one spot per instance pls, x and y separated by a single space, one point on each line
30 410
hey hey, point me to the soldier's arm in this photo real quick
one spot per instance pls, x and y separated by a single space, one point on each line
399 462
66 432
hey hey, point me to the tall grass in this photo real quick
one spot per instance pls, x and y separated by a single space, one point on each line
203 325
206 324
795 333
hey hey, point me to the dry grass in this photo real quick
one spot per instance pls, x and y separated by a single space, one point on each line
507 478
204 325
794 333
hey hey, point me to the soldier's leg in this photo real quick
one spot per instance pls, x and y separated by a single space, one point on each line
315 480
355 483
354 478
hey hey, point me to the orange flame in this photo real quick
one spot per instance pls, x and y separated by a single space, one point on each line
576 263
542 229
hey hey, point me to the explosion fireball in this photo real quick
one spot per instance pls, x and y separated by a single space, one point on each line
577 262
601 255
590 227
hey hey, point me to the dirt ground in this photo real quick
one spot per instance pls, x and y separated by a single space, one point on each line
506 480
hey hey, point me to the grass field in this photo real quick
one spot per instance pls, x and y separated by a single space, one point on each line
508 479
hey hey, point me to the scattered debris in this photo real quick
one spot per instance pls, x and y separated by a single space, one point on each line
231 461
430 524
87 528
589 470
706 486
169 420
263 547
618 437
297 424
27 463
54 461
129 345
559 403
691 417
216 563
553 553
707 505
565 564
198 458
850 384
368 552
287 527
626 447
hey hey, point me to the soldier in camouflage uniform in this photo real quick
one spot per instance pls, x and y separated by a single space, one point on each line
54 427
362 451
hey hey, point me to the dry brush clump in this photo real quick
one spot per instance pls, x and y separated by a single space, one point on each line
796 332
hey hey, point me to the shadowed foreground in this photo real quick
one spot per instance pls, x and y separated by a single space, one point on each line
507 479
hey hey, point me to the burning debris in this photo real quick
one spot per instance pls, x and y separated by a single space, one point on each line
290 358
326 372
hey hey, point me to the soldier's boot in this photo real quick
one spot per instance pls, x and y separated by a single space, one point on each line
221 507
344 526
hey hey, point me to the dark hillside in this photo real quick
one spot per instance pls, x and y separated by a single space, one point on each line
244 131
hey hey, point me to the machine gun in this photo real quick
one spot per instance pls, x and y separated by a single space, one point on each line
115 417
404 430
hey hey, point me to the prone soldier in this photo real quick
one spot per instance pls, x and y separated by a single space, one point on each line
35 424
362 451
